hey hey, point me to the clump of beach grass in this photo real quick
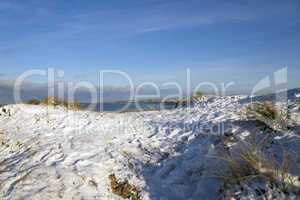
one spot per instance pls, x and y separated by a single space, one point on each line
269 114
199 95
250 163
123 188
54 101
34 102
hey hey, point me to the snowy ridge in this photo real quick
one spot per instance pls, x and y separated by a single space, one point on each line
54 153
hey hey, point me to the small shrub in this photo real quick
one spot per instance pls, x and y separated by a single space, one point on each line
51 101
199 95
269 114
124 189
54 101
34 102
72 105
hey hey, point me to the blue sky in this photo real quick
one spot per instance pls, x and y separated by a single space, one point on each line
153 40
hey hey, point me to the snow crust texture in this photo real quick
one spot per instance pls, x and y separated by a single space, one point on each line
54 153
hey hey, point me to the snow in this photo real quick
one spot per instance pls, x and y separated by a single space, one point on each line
54 153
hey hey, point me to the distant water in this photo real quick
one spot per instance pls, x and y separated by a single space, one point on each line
128 107
291 95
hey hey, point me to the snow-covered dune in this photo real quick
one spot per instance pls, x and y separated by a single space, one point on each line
54 153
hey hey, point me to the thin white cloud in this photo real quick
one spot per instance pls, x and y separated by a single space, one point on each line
143 17
160 16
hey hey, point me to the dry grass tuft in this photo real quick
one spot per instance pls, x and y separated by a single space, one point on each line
251 163
34 102
51 101
199 96
124 189
269 114
54 101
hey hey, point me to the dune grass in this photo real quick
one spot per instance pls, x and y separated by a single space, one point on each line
34 102
251 163
123 188
54 101
199 95
269 114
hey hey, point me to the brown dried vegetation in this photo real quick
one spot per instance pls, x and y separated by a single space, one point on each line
54 101
123 188
269 114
